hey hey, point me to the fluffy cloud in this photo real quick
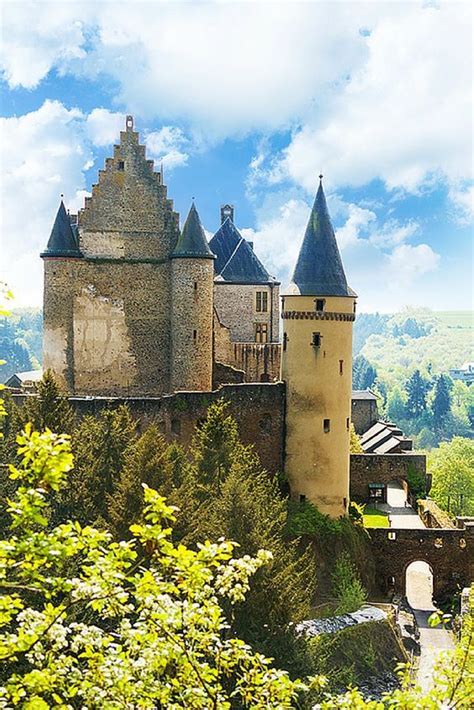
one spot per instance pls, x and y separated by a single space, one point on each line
43 153
168 145
104 126
404 117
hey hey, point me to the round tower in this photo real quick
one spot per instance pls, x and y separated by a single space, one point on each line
318 310
192 302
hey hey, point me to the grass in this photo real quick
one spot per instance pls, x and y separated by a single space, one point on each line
374 518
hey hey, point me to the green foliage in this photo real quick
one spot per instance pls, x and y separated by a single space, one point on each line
355 445
363 373
452 469
416 481
86 618
442 400
417 389
48 410
396 403
306 519
347 587
21 336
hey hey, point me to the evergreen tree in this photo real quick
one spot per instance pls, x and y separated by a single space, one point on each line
396 405
416 388
363 373
49 409
441 401
145 461
99 444
355 445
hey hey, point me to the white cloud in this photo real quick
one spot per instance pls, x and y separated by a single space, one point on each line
104 126
462 197
405 115
43 154
168 145
407 262
357 222
392 232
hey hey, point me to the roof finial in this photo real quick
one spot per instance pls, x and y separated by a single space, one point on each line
62 195
320 178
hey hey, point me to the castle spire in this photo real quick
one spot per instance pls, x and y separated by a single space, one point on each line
319 270
62 241
192 241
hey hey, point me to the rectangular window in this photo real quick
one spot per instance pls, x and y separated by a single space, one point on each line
326 425
316 342
261 333
261 305
121 165
348 424
285 340
302 498
320 304
195 335
195 285
341 367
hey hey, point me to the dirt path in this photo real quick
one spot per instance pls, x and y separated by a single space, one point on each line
433 641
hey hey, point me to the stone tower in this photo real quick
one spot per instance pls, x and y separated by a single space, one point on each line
318 310
107 290
192 282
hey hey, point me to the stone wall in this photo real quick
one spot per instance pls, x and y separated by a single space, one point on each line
433 516
236 306
259 410
450 554
381 468
364 414
223 374
259 361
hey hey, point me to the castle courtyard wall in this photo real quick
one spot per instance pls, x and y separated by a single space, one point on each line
381 468
236 306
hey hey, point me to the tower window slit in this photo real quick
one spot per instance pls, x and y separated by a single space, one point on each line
195 335
348 423
326 425
341 367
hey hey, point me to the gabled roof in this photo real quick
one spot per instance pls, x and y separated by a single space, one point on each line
364 394
236 261
63 239
319 270
192 241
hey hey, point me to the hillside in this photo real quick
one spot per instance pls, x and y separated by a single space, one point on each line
431 341
21 341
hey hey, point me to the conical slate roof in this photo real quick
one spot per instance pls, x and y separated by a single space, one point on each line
236 261
319 270
62 241
192 241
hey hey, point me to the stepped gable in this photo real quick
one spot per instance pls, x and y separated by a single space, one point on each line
192 242
319 270
236 261
62 241
129 197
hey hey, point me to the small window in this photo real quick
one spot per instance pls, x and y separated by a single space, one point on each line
348 424
355 306
195 285
195 335
327 425
341 367
121 165
302 498
316 342
285 340
261 333
261 305
344 503
320 304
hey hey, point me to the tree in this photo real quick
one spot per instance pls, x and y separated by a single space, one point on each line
355 445
347 587
363 373
416 388
396 402
442 401
49 409
452 469
87 620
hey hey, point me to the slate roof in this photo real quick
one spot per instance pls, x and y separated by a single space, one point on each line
236 261
63 239
364 394
319 270
192 241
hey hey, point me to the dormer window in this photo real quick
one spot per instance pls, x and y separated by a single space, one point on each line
320 302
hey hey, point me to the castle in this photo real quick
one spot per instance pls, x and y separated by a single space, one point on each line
136 308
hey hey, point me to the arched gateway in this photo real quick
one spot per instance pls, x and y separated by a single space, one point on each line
448 552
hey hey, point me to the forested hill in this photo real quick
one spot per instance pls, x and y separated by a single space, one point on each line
21 336
413 339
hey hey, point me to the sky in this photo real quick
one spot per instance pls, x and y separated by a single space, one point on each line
247 102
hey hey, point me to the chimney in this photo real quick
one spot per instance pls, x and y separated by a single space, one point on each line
227 211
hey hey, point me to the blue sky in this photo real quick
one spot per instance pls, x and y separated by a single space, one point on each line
247 103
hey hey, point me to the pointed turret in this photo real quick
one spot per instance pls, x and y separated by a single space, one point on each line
319 270
192 242
62 241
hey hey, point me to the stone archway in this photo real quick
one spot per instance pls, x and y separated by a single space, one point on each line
419 583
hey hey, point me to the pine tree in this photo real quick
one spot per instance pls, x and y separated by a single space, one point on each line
416 388
396 402
363 373
441 401
145 461
49 409
99 444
